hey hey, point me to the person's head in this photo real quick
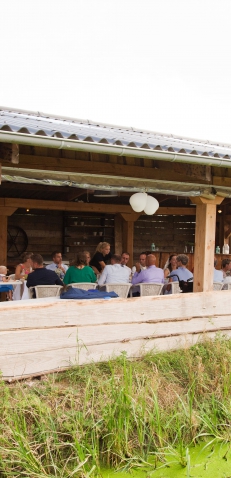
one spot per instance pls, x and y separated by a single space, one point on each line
57 257
37 261
143 257
105 248
88 256
80 260
226 264
115 259
125 258
26 257
172 261
151 260
182 260
3 270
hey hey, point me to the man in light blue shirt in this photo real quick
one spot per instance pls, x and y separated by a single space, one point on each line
152 274
181 273
218 276
57 265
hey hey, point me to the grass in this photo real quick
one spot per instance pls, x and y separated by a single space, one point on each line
119 413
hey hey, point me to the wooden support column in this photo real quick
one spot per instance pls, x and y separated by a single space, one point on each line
128 233
118 234
204 243
4 212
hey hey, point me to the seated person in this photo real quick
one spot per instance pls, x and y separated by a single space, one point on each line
24 268
101 256
141 265
125 256
115 273
79 271
5 288
88 257
226 267
217 275
57 265
181 273
170 265
150 274
41 275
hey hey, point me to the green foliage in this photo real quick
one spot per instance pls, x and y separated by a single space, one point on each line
118 413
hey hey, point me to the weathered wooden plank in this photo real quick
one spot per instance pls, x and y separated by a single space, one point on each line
31 341
40 363
46 334
47 313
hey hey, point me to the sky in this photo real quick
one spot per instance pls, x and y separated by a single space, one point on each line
159 65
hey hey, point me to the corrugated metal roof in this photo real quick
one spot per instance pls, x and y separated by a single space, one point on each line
40 124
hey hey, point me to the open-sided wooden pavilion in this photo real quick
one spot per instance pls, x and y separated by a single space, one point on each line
51 171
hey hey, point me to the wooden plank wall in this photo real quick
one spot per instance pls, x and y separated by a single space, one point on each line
48 231
46 335
43 228
169 233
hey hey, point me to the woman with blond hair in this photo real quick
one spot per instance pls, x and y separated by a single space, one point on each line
101 256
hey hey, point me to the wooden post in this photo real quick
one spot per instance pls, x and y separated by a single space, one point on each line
118 234
128 233
4 212
204 242
3 240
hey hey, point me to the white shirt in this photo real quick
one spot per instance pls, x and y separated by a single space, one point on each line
115 274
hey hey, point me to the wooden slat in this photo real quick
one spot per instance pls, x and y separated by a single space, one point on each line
3 240
48 334
81 207
99 164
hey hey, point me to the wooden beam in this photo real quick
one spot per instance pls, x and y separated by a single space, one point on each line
86 207
106 168
3 240
7 211
9 152
118 231
128 239
133 216
204 243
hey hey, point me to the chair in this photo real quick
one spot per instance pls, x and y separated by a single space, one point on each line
121 290
218 285
226 286
45 291
148 288
83 285
175 288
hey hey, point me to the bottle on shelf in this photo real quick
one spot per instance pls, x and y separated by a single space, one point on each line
153 247
218 251
226 249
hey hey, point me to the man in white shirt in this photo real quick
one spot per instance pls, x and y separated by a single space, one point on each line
140 266
124 260
57 265
115 273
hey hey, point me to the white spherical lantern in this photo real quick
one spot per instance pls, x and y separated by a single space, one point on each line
151 205
138 201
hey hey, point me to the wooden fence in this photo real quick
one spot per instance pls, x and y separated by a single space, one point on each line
45 335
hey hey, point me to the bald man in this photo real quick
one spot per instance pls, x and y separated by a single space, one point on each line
150 274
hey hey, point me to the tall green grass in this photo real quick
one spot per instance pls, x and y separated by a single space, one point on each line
119 413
